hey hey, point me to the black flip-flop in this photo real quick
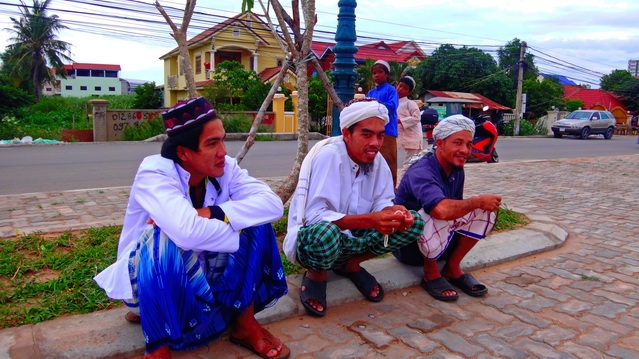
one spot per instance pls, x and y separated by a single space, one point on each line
365 282
466 282
438 286
313 290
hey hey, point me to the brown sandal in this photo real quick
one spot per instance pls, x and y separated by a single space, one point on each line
251 341
132 318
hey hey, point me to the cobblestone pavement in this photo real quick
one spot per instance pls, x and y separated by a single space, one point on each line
580 301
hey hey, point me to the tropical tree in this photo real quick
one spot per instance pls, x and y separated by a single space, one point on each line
465 69
397 70
509 57
541 96
365 76
34 45
626 87
146 96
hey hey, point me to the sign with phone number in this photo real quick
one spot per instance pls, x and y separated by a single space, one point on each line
117 121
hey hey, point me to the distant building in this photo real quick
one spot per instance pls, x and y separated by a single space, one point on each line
85 79
633 67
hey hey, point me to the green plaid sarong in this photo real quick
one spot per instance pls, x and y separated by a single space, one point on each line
322 246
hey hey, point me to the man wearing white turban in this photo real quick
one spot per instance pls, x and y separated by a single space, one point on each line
342 212
434 186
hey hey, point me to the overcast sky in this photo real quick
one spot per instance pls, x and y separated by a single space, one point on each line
580 39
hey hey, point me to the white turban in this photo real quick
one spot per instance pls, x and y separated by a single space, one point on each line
383 63
452 124
361 110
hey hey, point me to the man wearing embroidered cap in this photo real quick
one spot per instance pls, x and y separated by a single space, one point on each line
342 212
434 186
195 262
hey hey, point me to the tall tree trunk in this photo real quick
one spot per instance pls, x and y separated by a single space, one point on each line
180 37
286 189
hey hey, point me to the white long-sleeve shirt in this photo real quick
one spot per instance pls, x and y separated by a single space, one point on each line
409 129
160 191
335 190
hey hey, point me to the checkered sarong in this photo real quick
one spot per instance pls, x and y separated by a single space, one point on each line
324 246
438 233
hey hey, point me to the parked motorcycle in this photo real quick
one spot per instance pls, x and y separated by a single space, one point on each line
483 147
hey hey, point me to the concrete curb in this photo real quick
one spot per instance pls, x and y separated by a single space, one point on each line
106 334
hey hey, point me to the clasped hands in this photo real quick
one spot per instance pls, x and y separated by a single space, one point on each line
391 219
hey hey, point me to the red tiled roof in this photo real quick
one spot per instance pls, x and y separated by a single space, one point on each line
389 52
89 66
206 34
485 101
320 48
592 97
269 73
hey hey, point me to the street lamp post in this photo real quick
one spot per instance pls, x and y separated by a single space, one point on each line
344 75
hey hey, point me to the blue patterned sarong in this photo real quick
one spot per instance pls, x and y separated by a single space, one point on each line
184 305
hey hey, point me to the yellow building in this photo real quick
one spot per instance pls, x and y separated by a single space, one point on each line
245 38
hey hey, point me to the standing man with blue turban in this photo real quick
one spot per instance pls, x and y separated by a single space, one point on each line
342 212
434 186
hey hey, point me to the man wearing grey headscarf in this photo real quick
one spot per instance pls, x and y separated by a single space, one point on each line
434 187
342 212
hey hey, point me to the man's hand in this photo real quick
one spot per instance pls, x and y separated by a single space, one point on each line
488 202
391 219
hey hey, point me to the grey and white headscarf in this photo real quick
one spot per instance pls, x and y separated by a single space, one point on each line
452 124
445 128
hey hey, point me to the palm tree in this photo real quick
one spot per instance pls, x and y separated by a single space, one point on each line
364 75
34 45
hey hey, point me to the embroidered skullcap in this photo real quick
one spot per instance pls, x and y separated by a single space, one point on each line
186 114
409 81
452 124
361 109
383 63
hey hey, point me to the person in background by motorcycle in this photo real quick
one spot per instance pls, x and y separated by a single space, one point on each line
409 128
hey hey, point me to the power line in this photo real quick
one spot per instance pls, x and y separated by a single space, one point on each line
140 21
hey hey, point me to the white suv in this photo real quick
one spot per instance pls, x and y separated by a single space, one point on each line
584 123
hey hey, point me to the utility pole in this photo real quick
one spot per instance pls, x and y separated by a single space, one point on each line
520 84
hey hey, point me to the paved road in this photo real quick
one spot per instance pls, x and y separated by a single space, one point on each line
28 169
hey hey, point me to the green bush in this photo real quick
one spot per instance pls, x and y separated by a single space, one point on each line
236 123
146 129
146 96
526 128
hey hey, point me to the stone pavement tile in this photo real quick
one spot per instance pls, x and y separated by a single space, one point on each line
597 339
607 324
371 334
553 335
526 316
513 289
499 347
414 339
490 313
565 320
580 351
621 352
514 331
609 310
541 350
456 343
573 306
